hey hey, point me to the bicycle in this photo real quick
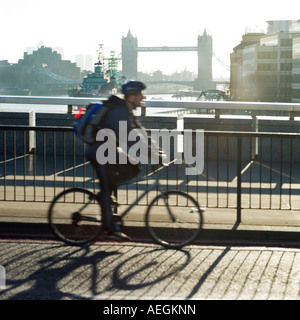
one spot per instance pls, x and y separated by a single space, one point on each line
75 215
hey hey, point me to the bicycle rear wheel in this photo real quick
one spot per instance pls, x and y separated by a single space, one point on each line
174 219
74 216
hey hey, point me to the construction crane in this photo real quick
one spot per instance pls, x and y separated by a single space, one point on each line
112 68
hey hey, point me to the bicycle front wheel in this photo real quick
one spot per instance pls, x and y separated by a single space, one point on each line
74 216
174 219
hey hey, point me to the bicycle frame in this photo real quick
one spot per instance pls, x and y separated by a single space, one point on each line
154 185
174 232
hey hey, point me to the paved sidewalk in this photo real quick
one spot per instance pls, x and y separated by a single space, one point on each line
219 224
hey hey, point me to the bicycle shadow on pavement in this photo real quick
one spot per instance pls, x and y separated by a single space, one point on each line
58 272
145 270
54 272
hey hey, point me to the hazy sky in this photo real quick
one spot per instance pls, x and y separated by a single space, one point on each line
79 26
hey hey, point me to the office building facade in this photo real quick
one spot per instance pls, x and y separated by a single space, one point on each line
267 69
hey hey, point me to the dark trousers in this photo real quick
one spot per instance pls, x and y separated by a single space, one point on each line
109 175
107 186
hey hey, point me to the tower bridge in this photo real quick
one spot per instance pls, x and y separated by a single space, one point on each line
130 50
185 83
165 48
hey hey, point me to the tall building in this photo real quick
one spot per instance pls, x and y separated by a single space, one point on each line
296 70
295 28
267 68
278 25
236 63
79 59
262 71
88 59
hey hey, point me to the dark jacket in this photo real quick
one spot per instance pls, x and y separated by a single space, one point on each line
119 112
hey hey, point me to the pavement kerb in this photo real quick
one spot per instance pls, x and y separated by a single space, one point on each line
219 224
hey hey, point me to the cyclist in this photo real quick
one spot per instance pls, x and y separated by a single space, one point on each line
110 174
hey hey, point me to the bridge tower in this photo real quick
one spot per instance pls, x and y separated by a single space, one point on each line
129 56
205 51
204 46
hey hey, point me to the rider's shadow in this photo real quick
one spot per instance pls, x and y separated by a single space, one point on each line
148 268
49 280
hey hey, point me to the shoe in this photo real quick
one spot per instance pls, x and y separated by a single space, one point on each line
117 236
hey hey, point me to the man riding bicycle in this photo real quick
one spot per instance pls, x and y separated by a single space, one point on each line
110 174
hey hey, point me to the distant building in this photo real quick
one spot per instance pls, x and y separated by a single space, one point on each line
236 63
6 77
29 50
79 59
295 28
296 70
61 51
88 59
42 72
278 25
262 70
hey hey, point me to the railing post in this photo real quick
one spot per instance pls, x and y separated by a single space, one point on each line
254 151
239 179
32 134
180 127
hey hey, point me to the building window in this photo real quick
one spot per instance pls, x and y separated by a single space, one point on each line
286 54
266 67
286 42
285 66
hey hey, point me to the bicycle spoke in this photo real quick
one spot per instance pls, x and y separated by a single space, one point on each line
74 216
171 220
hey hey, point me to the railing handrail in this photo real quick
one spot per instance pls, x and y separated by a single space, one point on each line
48 100
35 128
225 105
206 132
219 105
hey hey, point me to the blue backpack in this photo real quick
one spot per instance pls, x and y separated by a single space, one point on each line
88 124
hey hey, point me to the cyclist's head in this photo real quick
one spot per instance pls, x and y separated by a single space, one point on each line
133 93
133 87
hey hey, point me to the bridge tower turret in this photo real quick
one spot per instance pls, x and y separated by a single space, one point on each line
129 56
205 51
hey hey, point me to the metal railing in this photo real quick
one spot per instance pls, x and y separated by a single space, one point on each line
233 176
215 107
242 170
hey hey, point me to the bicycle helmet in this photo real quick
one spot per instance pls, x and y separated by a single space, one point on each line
133 87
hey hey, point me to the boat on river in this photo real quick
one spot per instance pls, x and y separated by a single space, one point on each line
101 82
